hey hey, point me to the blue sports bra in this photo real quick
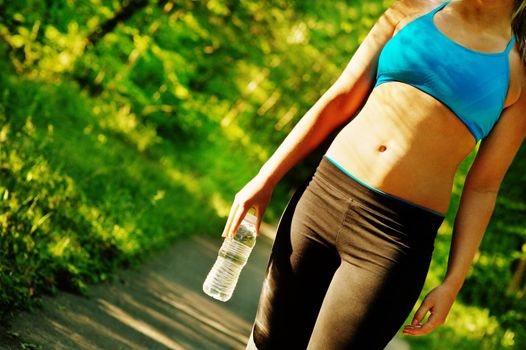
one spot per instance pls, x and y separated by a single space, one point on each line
472 84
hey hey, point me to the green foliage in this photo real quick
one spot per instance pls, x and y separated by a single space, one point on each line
72 208
124 125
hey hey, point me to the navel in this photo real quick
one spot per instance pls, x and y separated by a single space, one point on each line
382 148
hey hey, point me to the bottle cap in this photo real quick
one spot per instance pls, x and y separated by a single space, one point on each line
250 219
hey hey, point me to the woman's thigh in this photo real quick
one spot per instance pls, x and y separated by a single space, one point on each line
302 263
374 289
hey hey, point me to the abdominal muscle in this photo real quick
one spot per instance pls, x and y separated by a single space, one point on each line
406 143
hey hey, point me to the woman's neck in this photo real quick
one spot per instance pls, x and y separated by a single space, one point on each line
485 11
494 14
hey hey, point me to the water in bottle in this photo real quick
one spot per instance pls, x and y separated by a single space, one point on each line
232 257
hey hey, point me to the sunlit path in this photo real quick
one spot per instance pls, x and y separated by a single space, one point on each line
159 305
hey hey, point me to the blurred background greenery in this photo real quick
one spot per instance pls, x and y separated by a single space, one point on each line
127 124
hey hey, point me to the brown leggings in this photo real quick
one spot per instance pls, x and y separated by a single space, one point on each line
346 268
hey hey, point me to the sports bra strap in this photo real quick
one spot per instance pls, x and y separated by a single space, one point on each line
510 44
438 8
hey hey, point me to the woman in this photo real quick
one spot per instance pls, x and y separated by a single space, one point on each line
354 244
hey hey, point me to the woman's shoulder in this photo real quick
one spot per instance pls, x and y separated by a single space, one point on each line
407 10
413 7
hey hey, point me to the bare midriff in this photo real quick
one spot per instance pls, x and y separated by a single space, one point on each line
406 143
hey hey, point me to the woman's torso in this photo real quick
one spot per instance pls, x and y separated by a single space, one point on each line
405 142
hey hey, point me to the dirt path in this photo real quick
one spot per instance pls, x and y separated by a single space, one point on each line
158 306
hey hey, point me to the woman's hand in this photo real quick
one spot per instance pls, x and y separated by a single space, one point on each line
256 194
438 302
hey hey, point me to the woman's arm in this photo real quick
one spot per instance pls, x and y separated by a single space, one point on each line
477 202
341 101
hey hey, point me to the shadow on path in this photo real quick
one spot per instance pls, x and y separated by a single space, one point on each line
159 305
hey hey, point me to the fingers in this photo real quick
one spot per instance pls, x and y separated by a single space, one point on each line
415 328
425 328
421 312
231 215
432 323
435 319
236 215
259 219
244 200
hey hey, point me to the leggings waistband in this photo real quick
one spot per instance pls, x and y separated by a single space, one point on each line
381 192
352 187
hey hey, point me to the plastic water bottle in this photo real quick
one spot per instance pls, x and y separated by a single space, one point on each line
232 257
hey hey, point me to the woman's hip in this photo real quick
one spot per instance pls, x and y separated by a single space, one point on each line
364 224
